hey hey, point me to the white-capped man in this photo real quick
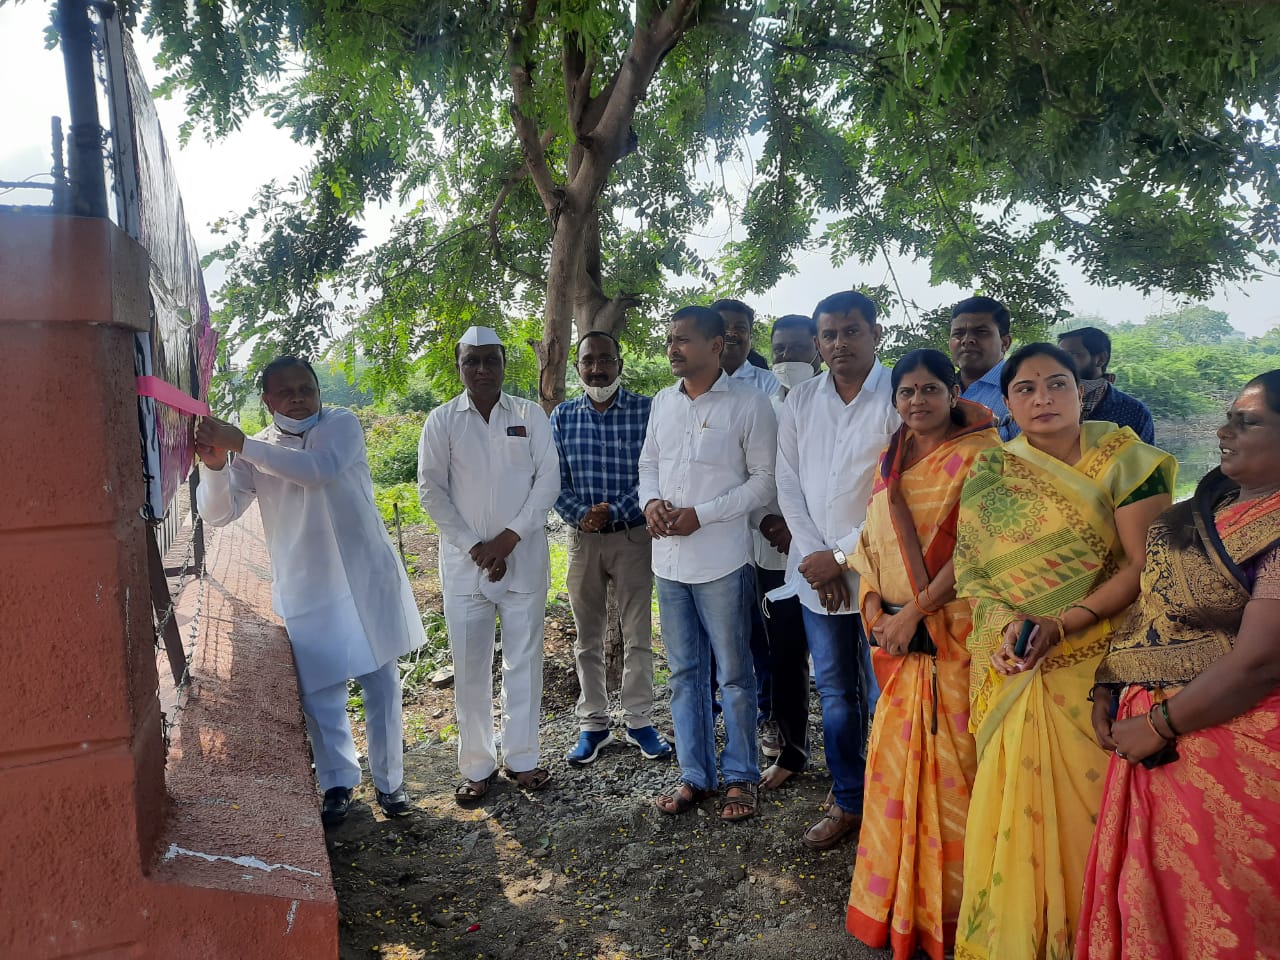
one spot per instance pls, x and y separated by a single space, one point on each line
336 580
487 475
830 435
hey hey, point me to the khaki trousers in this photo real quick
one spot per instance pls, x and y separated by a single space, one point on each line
625 557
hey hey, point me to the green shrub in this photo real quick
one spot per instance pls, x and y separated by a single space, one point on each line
392 444
406 495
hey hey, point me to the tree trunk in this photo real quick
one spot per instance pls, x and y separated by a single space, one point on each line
557 320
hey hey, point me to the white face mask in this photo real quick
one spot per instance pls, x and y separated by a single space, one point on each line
602 394
290 425
793 372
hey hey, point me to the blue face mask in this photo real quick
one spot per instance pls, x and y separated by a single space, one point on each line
290 425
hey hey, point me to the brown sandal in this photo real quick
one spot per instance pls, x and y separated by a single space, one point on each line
742 794
682 799
472 791
535 779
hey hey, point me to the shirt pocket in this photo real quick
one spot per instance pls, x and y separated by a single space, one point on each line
514 453
713 445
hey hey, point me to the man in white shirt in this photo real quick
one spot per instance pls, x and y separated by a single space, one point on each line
784 736
707 462
830 435
739 324
487 474
336 580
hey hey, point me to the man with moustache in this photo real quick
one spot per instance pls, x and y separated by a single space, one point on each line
830 435
335 578
487 475
979 339
707 462
598 437
739 324
1090 348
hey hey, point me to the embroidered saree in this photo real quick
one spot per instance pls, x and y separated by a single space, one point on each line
1036 535
1186 858
920 758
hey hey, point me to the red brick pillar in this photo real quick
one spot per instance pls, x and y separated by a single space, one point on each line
82 796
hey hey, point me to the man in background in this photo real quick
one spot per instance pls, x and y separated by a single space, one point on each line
1090 348
979 339
739 325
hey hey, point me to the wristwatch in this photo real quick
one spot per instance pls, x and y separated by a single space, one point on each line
840 557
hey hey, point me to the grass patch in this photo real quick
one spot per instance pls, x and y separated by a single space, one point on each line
559 574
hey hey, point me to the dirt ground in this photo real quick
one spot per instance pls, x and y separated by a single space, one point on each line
586 868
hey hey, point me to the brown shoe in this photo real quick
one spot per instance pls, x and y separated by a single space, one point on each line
831 829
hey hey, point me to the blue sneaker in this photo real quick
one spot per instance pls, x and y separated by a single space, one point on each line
588 747
650 742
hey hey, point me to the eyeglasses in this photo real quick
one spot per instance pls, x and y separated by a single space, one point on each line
588 363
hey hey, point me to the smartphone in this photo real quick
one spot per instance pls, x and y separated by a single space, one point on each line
1025 636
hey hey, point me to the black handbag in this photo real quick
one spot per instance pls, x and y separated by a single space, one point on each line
921 642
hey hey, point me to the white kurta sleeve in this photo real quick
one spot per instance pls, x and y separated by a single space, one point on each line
761 448
545 489
433 483
337 443
224 494
805 536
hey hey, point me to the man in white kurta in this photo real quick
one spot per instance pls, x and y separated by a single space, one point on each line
336 580
488 473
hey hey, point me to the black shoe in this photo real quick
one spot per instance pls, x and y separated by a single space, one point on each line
337 802
395 803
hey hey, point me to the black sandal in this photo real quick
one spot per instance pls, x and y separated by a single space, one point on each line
678 801
472 791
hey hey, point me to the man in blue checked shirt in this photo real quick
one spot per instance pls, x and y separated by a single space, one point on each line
598 437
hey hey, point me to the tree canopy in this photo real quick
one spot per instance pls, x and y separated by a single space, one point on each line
556 158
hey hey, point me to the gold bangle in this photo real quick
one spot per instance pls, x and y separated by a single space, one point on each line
1089 610
874 620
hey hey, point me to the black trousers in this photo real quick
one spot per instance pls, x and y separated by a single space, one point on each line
788 670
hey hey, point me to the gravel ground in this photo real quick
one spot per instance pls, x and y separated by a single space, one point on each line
587 867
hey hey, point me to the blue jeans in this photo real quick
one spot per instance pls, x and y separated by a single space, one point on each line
697 619
836 644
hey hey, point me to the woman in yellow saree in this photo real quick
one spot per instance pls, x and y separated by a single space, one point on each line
920 759
1051 533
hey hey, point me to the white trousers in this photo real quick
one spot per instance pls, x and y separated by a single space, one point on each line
334 750
470 619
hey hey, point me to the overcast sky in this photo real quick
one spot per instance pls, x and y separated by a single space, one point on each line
220 178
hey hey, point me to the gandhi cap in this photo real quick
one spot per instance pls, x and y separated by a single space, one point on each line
480 337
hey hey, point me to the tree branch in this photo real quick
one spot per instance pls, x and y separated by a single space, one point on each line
508 185
521 70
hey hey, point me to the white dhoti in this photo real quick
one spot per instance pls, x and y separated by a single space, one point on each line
470 620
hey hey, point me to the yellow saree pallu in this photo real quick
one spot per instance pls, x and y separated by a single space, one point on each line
1036 535
920 759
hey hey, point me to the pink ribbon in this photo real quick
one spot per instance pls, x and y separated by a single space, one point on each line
171 396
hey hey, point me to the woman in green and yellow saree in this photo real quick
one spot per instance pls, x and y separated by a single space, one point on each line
1049 549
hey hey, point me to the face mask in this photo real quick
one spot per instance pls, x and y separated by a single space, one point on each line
793 372
602 394
290 425
1091 385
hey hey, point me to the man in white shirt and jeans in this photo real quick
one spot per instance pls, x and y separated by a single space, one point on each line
707 462
336 580
487 474
830 435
